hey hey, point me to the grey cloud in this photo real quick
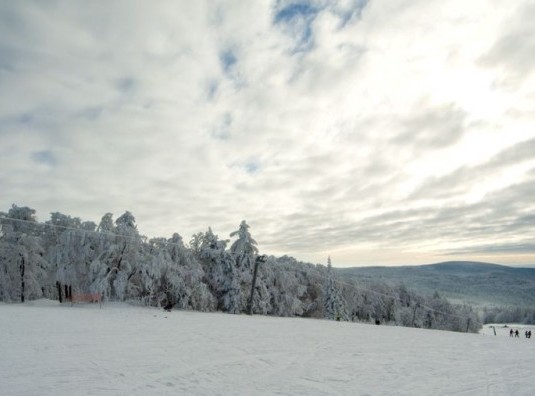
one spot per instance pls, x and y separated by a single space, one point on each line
502 214
91 113
462 178
212 87
505 214
435 127
517 153
447 186
222 131
495 248
9 57
514 50
45 157
126 85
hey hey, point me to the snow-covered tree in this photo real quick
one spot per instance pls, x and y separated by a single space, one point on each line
244 252
106 223
334 304
121 250
185 276
21 256
220 272
287 288
71 247
244 248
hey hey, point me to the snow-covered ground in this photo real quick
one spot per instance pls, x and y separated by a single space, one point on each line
52 349
503 330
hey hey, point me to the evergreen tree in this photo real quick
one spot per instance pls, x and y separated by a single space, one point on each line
121 250
244 248
21 254
220 272
72 247
244 251
334 304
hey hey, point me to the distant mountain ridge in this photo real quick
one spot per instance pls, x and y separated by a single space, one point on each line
469 281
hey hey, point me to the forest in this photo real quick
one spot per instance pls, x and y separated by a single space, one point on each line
207 273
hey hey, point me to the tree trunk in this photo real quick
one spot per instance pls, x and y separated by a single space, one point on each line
58 285
22 285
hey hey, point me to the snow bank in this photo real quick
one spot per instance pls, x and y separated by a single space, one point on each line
51 349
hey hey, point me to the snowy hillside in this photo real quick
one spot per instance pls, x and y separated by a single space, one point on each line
51 349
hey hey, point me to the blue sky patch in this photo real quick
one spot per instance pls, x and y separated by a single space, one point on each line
45 157
91 113
252 167
354 13
222 131
211 89
296 20
291 11
228 60
126 85
25 118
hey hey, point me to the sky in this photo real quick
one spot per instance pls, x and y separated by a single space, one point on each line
374 132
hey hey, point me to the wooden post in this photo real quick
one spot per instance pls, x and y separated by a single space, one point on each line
58 286
258 260
22 284
414 314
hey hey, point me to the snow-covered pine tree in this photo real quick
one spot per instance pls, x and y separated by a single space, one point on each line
121 250
151 277
286 289
131 255
220 272
244 251
21 256
71 249
100 270
106 224
334 304
244 248
185 275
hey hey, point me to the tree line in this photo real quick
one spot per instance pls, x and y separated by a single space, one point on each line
508 314
207 273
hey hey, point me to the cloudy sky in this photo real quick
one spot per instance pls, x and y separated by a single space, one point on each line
376 132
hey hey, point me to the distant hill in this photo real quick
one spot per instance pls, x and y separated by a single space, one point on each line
471 282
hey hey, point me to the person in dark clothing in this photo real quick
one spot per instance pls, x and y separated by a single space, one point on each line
511 333
517 334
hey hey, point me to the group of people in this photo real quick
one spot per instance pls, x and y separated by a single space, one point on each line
516 333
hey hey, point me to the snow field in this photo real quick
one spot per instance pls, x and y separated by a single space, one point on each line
52 349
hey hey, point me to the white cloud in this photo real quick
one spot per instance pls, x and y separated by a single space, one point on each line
208 113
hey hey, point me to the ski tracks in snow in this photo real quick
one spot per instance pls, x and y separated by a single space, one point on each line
124 350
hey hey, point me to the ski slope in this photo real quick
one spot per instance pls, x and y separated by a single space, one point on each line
52 349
